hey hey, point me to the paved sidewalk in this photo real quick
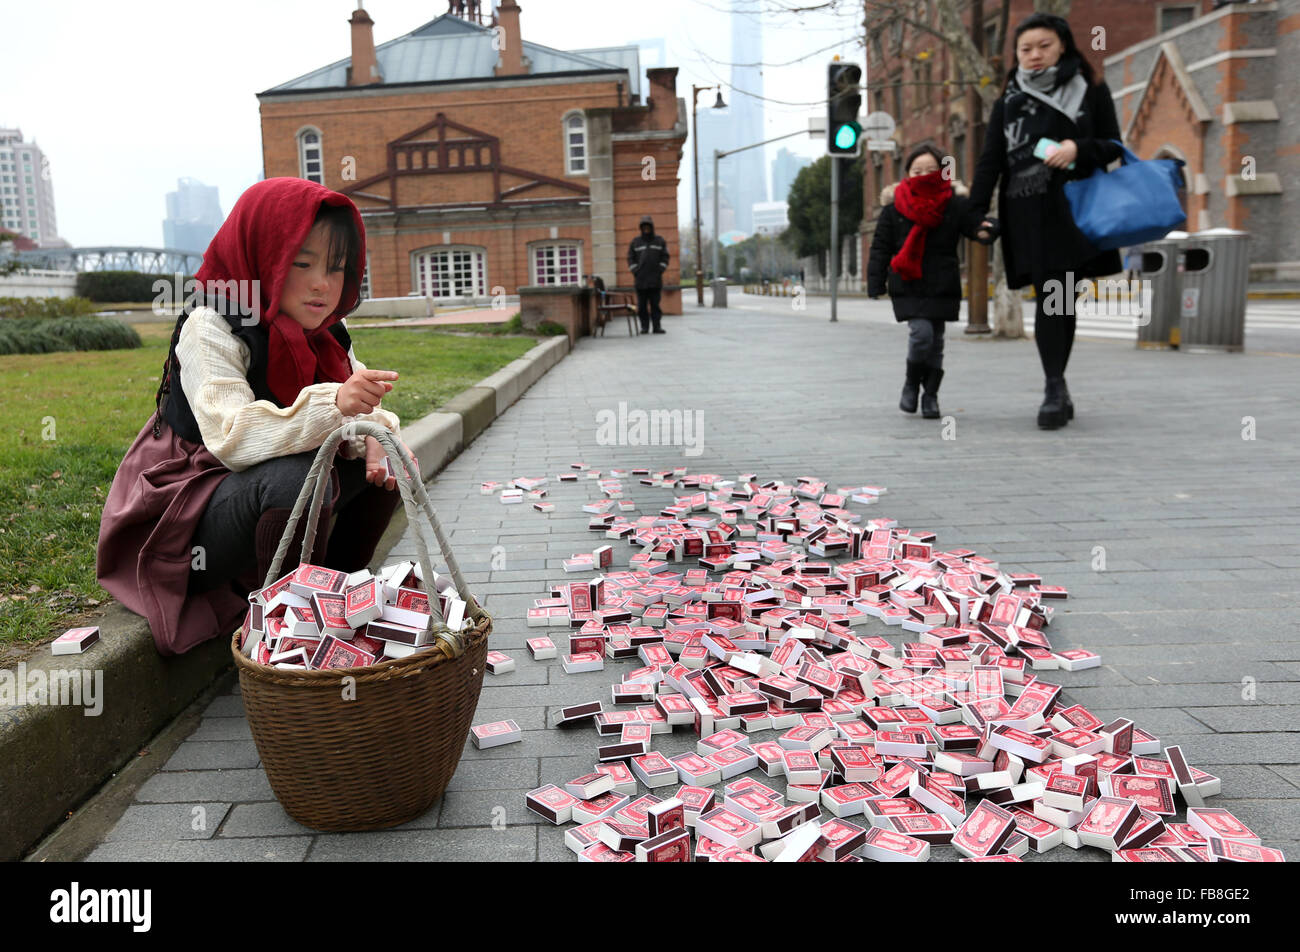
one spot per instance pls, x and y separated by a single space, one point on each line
1193 613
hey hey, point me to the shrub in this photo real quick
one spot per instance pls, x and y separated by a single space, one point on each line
44 308
67 333
27 337
121 286
550 329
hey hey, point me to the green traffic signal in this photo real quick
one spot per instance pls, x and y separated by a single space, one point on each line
846 137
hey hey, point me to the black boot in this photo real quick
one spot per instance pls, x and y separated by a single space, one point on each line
1052 414
911 387
1069 404
930 399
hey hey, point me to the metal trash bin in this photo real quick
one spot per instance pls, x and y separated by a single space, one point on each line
719 287
1159 292
1214 267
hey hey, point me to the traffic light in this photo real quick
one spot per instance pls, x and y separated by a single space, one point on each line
843 100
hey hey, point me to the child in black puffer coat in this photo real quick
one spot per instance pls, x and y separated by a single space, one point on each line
914 255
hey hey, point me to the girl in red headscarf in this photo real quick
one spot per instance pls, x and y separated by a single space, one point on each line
259 372
914 254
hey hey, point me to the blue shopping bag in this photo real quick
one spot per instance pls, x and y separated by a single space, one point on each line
1136 203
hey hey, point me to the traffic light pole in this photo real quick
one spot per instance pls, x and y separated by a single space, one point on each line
835 233
717 230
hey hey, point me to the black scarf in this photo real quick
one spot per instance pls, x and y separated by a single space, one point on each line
1026 119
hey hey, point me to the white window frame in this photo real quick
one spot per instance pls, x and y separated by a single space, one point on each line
582 165
304 147
363 293
426 261
548 276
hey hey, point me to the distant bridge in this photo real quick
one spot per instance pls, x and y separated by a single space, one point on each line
144 260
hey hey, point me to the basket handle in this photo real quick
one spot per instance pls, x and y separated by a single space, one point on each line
414 496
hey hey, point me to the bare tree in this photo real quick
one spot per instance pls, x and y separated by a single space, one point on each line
1008 318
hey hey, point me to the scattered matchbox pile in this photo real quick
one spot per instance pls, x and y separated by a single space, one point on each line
951 738
317 618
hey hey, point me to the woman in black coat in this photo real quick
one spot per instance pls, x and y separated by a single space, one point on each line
914 254
1053 94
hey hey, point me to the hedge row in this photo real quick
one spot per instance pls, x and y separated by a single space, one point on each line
121 286
66 333
44 308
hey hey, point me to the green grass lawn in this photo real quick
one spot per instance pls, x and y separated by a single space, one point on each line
71 417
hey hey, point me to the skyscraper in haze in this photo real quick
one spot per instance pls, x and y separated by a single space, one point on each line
743 175
193 216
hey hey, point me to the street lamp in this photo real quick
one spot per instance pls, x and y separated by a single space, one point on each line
699 260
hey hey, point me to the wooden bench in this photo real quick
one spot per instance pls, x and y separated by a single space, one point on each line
613 304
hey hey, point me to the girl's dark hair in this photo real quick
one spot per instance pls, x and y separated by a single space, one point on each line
1070 55
344 242
343 251
921 150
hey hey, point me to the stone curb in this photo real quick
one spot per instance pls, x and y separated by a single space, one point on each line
55 755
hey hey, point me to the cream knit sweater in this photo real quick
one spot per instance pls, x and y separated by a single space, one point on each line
239 429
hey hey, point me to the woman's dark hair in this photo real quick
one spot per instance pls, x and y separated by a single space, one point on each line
1050 21
344 241
921 150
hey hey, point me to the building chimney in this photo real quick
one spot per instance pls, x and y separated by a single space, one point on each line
510 61
364 69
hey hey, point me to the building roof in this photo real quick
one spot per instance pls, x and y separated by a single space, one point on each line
451 48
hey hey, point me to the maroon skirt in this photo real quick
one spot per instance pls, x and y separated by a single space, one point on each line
158 496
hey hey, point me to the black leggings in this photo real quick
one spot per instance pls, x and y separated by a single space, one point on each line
1054 331
226 530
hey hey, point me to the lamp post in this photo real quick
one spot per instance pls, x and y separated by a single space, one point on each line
695 119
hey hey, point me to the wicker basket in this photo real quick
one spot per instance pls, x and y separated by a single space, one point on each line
367 748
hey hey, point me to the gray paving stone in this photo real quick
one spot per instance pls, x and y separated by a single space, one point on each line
284 849
222 728
193 786
1252 718
486 808
227 705
1255 782
1277 747
260 820
180 821
502 774
213 755
514 844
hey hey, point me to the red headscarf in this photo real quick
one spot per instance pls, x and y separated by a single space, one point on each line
923 199
258 241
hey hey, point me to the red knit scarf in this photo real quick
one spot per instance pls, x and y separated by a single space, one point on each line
259 241
923 199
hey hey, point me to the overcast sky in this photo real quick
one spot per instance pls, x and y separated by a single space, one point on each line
125 98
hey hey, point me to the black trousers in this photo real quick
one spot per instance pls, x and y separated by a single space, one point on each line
647 306
1054 323
226 530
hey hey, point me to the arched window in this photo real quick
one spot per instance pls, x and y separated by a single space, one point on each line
575 144
311 165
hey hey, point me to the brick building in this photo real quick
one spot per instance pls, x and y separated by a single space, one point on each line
913 77
1220 92
482 161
